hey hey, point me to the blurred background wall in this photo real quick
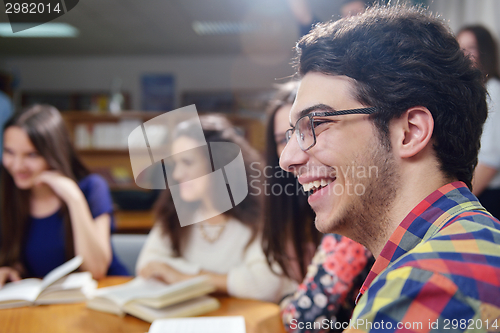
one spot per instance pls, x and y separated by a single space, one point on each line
249 45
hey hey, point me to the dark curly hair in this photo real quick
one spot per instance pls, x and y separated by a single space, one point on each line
402 57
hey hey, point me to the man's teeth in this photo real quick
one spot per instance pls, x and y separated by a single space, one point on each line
317 184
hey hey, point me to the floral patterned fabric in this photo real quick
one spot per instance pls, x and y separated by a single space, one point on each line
330 287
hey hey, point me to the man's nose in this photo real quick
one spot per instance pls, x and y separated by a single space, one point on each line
292 156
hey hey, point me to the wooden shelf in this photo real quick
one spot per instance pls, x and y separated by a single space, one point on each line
96 117
126 187
72 100
134 221
96 151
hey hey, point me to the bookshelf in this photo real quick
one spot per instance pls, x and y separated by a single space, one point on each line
108 155
101 141
132 203
73 100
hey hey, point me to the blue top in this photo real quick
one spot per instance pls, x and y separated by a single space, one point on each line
44 249
6 110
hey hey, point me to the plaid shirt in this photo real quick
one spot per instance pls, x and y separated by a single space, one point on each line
439 271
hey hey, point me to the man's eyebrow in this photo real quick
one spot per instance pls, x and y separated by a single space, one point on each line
322 107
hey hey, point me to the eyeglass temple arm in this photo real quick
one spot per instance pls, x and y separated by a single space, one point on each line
352 111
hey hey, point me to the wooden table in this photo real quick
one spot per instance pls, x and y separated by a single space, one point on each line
260 317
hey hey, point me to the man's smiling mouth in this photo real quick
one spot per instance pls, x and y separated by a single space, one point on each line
316 185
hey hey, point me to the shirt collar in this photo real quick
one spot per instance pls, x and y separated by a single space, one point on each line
421 223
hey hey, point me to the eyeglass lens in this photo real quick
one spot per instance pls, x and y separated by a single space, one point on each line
305 133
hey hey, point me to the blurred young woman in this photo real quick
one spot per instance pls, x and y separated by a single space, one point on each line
331 273
52 207
479 44
289 220
226 246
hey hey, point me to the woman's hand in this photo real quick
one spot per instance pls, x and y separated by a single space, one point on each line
163 272
8 274
64 187
168 274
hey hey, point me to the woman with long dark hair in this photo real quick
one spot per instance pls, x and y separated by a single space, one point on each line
225 244
52 207
330 268
479 44
289 220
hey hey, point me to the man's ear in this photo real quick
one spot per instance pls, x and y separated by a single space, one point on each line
412 132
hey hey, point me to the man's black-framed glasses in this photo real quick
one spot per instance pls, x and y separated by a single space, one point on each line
304 127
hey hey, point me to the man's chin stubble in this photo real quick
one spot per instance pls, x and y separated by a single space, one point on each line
366 219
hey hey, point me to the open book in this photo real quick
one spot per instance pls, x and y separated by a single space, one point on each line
150 299
56 287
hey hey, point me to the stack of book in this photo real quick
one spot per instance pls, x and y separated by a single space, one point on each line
150 299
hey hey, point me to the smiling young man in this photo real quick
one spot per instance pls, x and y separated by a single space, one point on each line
385 135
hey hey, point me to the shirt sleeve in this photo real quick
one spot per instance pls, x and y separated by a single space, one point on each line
158 248
330 278
413 300
96 191
254 278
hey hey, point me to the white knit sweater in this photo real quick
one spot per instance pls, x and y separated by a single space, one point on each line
248 274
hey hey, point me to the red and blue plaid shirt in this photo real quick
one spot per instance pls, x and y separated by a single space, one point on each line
439 271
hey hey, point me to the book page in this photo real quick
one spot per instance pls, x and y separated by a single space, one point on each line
126 292
77 280
176 296
200 324
72 281
72 288
61 271
142 288
27 290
